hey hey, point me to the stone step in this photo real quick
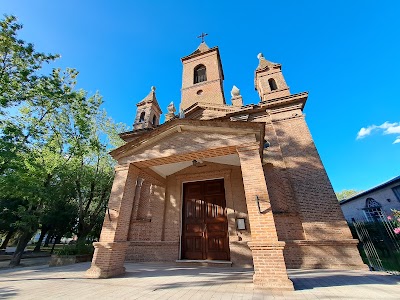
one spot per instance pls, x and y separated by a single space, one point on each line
204 263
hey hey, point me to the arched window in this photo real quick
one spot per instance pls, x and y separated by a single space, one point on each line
272 84
373 211
200 74
154 120
141 119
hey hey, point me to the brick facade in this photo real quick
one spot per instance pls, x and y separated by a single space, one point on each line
273 179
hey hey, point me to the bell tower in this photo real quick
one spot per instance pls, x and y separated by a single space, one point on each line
148 112
202 79
269 80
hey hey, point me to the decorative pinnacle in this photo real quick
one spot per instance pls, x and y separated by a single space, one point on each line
260 55
153 88
171 108
235 92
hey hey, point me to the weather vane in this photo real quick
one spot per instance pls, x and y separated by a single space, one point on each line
202 36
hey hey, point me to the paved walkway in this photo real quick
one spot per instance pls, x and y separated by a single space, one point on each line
26 262
169 281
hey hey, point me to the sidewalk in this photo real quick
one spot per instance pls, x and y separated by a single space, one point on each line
26 262
169 281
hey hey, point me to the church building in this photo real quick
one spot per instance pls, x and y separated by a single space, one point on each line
224 183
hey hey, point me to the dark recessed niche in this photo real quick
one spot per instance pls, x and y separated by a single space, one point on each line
199 92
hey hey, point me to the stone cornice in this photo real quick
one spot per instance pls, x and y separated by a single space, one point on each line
287 103
203 175
286 100
209 106
178 125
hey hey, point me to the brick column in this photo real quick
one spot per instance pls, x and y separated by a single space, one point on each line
269 265
109 255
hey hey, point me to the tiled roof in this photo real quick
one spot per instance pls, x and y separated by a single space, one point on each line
150 98
264 64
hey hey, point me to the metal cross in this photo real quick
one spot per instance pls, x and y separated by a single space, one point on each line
202 36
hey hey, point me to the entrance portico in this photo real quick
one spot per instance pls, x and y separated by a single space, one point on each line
145 210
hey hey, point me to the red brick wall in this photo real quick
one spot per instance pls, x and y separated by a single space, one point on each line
212 89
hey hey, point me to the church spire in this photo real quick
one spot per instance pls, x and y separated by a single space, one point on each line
269 80
148 112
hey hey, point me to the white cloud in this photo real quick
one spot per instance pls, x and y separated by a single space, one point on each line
385 128
393 130
387 125
365 131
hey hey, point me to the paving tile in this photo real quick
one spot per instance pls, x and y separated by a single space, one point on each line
168 281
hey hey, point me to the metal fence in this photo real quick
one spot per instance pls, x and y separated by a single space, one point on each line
379 244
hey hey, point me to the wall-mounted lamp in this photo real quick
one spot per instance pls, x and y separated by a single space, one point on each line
241 224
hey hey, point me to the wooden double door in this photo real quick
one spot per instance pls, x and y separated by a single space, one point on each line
205 224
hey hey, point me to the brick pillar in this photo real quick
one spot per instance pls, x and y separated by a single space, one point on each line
109 255
269 265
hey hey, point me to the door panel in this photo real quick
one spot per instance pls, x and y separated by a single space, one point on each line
193 222
205 225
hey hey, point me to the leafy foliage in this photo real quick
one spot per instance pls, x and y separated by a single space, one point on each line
76 249
346 194
55 172
19 64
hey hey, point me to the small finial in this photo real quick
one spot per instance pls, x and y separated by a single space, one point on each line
260 55
202 36
181 113
171 108
153 88
235 91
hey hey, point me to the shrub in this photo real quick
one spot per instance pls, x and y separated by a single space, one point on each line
77 249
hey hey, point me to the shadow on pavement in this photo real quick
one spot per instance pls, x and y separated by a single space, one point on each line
8 292
309 279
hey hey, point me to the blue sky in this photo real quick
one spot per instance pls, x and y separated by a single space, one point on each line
344 53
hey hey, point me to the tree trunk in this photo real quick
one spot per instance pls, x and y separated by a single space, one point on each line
55 242
7 239
22 242
47 241
82 236
57 239
42 235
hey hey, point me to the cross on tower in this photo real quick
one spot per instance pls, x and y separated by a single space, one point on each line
202 36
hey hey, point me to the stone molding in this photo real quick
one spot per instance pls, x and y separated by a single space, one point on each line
111 245
203 175
321 242
154 243
277 245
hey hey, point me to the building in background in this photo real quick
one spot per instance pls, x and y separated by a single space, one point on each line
374 204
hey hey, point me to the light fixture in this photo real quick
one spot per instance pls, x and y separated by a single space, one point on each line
241 224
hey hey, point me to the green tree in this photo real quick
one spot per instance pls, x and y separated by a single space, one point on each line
8 218
19 64
346 194
53 152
